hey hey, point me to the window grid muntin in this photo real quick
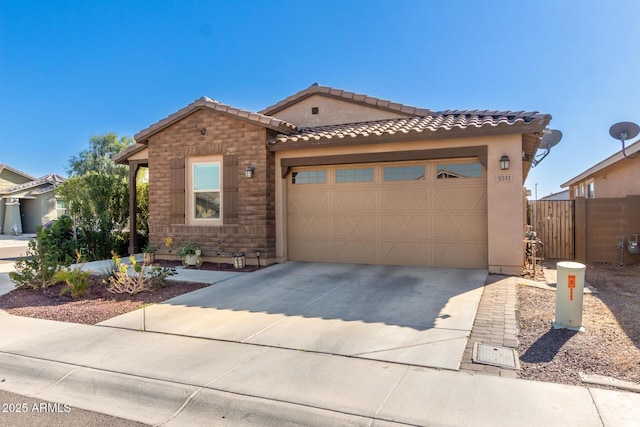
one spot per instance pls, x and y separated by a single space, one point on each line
404 173
309 177
459 170
354 175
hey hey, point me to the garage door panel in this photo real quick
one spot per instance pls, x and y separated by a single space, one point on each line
354 201
308 202
461 255
460 227
459 199
309 226
402 222
405 199
355 226
405 226
355 252
404 253
311 250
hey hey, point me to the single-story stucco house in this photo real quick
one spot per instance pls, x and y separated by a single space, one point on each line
615 176
27 202
334 176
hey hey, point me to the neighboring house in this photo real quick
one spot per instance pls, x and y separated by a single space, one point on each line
340 177
27 202
607 201
561 195
615 176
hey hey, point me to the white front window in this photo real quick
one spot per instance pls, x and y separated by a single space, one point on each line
204 191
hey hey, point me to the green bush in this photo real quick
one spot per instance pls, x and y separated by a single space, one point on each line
77 281
36 269
53 248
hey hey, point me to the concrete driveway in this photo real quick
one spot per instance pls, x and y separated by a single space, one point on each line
413 315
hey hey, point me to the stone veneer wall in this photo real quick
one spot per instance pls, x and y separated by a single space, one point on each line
223 135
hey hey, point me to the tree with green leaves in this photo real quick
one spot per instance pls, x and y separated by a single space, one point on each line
99 156
97 194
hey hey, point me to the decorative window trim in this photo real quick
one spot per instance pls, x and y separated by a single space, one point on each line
190 191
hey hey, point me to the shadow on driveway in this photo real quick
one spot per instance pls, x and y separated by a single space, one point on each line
416 315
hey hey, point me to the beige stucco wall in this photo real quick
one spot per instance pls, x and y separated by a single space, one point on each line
618 180
331 111
10 179
504 197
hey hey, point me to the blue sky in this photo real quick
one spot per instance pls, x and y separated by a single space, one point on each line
73 69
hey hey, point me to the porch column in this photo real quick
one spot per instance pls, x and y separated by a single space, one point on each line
12 219
134 166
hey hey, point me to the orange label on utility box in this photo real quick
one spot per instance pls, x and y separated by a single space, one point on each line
572 282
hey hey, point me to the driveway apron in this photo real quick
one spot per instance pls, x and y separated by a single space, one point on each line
413 315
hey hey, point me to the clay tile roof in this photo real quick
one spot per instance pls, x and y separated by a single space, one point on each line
347 96
437 122
51 179
212 104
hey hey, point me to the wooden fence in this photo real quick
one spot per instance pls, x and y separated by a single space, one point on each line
553 220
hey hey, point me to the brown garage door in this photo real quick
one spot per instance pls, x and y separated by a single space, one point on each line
430 213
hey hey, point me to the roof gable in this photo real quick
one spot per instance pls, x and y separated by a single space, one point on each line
213 105
374 108
609 161
15 171
36 186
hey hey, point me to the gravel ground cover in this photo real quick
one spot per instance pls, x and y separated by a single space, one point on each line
610 345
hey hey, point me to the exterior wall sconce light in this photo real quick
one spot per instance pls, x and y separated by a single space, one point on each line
248 172
504 162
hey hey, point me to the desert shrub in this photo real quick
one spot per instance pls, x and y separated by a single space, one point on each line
53 248
135 278
77 281
36 269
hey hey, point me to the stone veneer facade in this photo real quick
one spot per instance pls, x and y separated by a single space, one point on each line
223 135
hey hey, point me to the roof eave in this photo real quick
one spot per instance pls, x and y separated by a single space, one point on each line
227 110
123 157
534 127
609 161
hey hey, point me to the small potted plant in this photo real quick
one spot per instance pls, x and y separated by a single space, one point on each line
190 254
149 252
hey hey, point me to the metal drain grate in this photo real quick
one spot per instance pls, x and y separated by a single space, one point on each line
496 356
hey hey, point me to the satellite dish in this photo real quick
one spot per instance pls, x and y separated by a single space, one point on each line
550 139
624 130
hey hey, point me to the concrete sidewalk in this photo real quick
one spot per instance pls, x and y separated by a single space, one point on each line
171 380
164 379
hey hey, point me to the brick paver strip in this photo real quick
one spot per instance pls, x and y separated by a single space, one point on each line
495 323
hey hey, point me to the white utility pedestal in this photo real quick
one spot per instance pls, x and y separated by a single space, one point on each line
569 296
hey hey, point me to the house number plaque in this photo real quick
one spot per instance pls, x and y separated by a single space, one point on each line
503 178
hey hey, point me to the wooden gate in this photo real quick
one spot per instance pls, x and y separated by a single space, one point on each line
553 220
